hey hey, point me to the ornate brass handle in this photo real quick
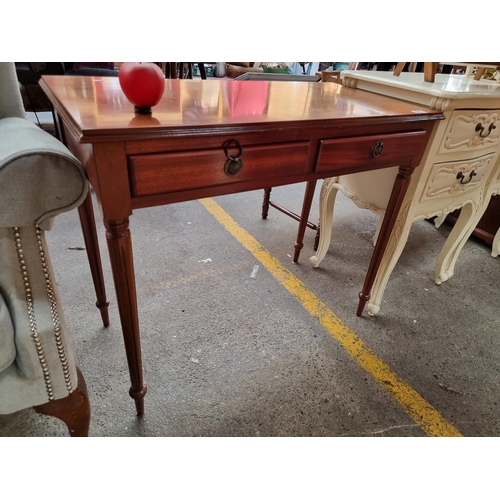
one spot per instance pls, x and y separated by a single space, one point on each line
480 129
377 149
461 176
234 163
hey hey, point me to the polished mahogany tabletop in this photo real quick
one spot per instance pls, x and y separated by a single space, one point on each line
95 108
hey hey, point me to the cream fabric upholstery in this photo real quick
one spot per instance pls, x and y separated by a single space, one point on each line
39 178
29 154
11 102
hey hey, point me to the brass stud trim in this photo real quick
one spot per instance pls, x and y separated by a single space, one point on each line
31 314
53 309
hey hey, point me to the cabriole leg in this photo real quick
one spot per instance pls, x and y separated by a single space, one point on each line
73 410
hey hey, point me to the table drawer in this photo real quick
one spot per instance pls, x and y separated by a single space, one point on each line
471 130
185 170
456 177
373 150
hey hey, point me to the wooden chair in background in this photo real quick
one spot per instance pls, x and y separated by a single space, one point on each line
431 68
182 70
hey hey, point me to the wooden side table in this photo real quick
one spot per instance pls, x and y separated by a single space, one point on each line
212 137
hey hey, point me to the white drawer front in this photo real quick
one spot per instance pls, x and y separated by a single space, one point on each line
471 130
454 178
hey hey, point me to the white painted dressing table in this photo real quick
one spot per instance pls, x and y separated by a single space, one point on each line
459 169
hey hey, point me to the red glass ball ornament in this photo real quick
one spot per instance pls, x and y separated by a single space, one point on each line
142 83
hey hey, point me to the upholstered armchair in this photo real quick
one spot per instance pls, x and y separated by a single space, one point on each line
39 178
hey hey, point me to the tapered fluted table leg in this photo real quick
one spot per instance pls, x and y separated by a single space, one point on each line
395 201
87 221
122 265
265 202
306 209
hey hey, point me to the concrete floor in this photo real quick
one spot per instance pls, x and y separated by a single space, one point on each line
229 355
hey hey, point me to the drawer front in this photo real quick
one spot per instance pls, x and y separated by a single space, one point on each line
472 130
186 170
377 151
456 177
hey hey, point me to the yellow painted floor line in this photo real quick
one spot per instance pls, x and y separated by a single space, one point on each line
427 417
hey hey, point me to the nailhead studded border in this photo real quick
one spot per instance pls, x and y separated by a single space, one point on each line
31 314
54 313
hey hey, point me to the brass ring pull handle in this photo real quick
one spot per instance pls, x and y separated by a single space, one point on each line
234 163
480 129
377 149
461 176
